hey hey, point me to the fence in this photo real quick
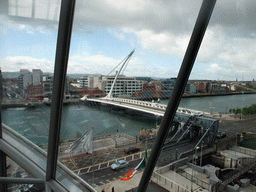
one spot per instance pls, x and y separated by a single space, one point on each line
119 142
246 151
167 183
130 158
194 180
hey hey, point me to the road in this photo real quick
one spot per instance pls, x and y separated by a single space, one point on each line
106 175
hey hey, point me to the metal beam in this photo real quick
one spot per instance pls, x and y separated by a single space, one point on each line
185 70
22 160
61 61
3 171
21 180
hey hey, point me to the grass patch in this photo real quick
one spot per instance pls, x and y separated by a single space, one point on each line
248 143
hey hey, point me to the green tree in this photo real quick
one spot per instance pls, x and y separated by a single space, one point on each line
61 141
39 144
78 134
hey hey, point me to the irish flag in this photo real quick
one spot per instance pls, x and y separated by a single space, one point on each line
131 173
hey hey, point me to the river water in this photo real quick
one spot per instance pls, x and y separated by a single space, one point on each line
218 103
33 123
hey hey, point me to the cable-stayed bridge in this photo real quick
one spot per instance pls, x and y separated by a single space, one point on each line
188 124
144 106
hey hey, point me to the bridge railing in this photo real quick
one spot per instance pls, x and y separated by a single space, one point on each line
155 105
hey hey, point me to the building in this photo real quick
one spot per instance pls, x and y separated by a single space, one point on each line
123 86
35 92
48 86
95 81
168 84
214 87
91 92
83 81
24 80
187 88
37 76
192 89
202 87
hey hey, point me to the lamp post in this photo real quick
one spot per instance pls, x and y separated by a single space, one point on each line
212 109
201 159
236 142
193 164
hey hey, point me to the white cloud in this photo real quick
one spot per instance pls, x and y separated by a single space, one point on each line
104 65
22 62
10 24
164 43
162 28
214 68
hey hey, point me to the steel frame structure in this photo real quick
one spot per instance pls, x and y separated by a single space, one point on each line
48 177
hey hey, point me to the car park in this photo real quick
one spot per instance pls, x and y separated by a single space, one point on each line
119 165
130 150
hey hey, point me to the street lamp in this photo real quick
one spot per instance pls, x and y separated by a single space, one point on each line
212 109
201 159
236 142
193 163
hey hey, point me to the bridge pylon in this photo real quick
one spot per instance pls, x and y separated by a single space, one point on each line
126 60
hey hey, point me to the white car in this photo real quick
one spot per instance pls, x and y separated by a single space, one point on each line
119 165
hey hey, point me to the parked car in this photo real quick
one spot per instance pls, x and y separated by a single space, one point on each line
130 150
119 165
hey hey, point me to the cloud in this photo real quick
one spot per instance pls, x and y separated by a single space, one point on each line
104 65
7 23
16 63
161 28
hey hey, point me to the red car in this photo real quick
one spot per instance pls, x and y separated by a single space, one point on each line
130 150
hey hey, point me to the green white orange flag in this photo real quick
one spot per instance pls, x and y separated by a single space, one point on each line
131 173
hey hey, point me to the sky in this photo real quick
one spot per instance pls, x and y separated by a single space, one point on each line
106 31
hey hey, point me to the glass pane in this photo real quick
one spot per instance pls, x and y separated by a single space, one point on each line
103 37
28 41
15 170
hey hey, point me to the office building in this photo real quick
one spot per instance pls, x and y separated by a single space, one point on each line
37 76
124 85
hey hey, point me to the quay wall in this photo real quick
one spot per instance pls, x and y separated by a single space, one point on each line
19 104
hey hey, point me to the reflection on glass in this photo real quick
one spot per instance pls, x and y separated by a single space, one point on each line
16 171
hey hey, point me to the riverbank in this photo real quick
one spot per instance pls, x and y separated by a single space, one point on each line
28 104
215 94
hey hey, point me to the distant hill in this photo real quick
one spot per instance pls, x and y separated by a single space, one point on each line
10 75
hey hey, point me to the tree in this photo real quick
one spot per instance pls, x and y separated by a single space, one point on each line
78 134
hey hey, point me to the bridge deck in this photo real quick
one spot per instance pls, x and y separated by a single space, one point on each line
144 106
